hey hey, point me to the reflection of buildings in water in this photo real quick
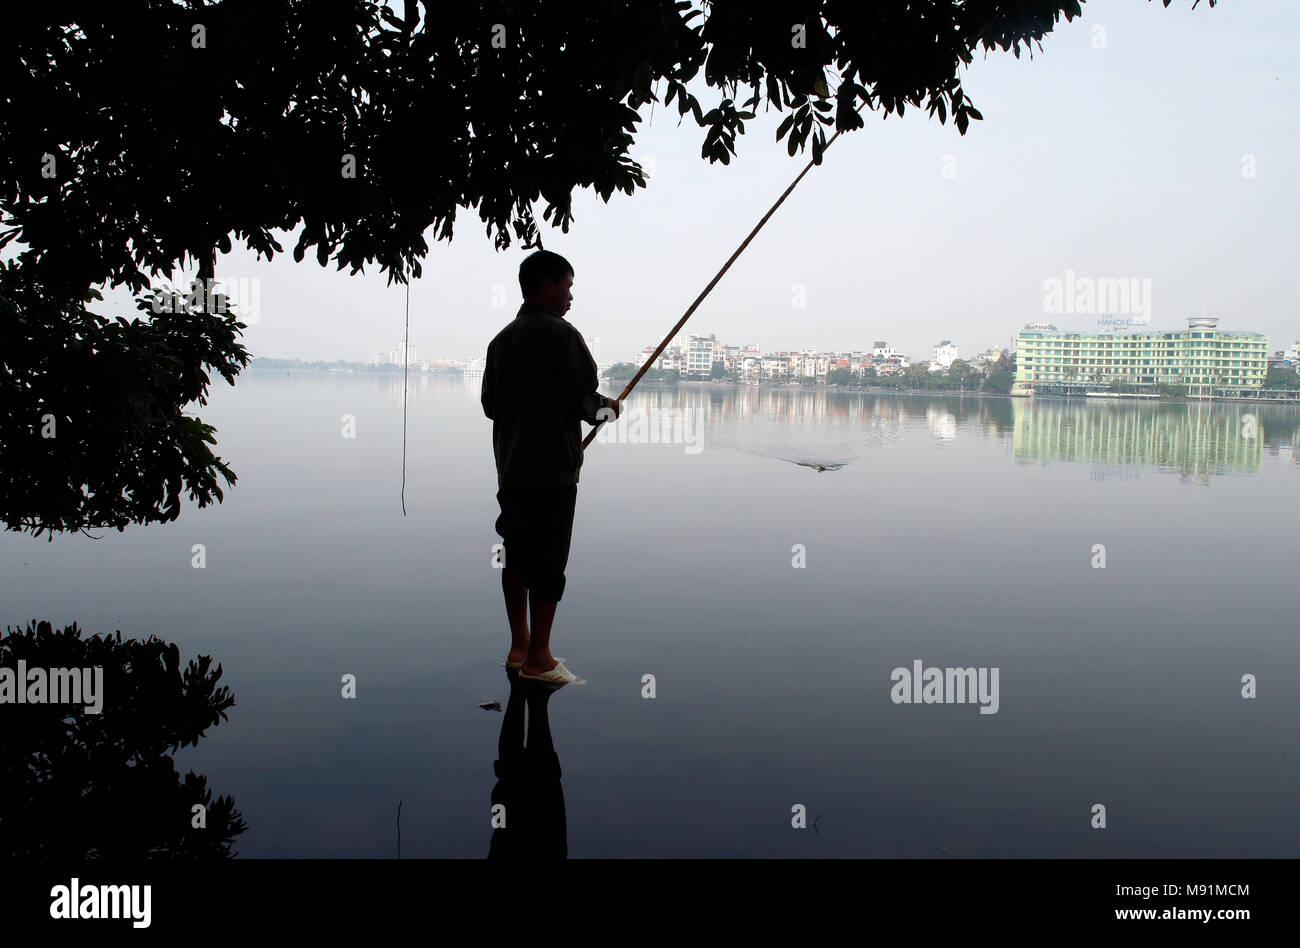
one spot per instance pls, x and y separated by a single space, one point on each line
943 424
1196 439
777 403
1103 472
731 413
394 387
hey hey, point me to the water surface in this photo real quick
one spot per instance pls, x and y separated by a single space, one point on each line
956 530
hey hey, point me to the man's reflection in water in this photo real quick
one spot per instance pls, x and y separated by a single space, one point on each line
532 823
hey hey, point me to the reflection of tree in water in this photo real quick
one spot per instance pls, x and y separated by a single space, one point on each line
75 785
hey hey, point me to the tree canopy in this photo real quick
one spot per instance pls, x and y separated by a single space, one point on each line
135 136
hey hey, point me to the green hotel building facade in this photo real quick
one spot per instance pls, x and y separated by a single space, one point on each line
1200 360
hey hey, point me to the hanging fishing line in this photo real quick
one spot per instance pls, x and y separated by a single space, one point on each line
406 358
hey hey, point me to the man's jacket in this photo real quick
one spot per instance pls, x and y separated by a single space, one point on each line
540 381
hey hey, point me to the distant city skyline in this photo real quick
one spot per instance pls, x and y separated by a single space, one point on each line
1104 325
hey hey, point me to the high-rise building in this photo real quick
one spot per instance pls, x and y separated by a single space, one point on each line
944 354
398 357
1198 358
698 356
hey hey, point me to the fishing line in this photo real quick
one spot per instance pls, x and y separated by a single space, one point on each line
712 283
406 358
663 345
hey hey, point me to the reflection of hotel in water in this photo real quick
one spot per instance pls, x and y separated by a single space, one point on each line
1190 439
1198 438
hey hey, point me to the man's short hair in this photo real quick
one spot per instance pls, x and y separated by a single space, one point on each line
539 266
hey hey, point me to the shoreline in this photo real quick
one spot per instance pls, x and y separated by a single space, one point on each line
1108 396
1118 397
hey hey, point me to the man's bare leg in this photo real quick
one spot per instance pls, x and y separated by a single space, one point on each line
516 594
539 658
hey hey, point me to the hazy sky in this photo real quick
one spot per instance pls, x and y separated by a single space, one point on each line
1122 160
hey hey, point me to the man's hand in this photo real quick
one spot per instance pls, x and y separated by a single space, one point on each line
613 408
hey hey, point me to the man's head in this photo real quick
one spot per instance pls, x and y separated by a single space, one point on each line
545 278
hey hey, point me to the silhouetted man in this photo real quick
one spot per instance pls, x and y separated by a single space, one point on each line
540 380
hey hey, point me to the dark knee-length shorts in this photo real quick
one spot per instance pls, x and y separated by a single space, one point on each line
536 528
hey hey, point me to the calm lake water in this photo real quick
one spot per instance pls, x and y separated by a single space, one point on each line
960 532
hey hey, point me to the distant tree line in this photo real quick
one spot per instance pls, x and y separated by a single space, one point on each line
339 365
1282 377
960 377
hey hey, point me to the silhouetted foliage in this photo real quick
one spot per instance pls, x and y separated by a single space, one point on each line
91 418
76 785
135 136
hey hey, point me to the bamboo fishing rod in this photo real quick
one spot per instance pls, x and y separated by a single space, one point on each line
712 283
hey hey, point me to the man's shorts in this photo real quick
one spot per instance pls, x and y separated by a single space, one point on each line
536 527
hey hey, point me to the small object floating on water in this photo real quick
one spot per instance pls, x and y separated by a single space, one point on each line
491 705
817 466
